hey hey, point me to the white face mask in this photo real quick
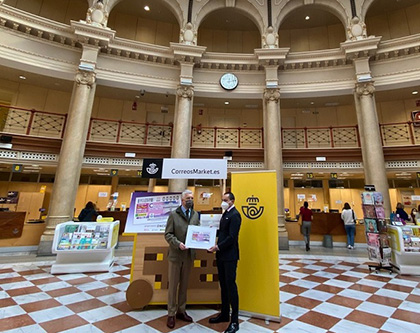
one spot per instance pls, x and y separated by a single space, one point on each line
224 205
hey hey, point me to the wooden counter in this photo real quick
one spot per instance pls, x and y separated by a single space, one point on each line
327 224
11 224
118 216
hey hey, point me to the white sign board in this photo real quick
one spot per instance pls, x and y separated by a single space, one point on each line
210 220
180 168
103 194
415 197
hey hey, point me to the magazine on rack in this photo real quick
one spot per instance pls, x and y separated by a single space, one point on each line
373 239
84 237
371 226
374 253
369 211
367 198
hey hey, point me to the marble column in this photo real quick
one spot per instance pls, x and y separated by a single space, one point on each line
181 136
273 155
151 185
373 156
67 176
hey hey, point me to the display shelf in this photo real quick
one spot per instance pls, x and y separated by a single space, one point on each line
405 248
84 246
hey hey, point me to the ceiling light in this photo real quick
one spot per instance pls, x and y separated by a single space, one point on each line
312 103
226 103
415 92
22 77
307 18
146 8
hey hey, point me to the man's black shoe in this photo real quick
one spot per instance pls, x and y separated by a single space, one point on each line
232 328
220 318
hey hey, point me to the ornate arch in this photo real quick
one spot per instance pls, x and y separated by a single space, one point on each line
172 5
364 8
245 7
334 7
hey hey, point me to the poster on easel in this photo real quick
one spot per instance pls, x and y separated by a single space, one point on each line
149 212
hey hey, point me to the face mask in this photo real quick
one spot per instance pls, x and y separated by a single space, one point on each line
224 205
189 204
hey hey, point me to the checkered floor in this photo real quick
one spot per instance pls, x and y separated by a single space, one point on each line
318 294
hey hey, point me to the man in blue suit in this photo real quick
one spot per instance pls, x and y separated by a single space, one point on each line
227 255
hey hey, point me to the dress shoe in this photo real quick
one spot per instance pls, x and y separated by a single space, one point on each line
220 318
232 328
184 317
170 322
307 247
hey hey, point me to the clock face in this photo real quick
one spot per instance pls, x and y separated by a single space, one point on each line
229 81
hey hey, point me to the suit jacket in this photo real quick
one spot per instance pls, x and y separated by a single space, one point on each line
227 242
176 232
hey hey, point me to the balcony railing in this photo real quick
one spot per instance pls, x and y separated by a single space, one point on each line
51 125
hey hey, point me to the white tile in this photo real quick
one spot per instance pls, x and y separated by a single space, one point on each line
316 267
113 298
9 275
410 306
27 329
194 328
29 298
73 298
416 291
84 329
91 286
148 314
355 274
284 262
142 328
38 276
392 293
11 311
296 275
54 286
16 285
291 311
105 312
403 282
4 294
346 326
308 262
359 295
399 326
50 314
334 310
342 267
371 283
199 313
301 327
305 284
104 276
317 295
253 328
375 308
67 277
338 283
289 267
285 296
122 286
326 275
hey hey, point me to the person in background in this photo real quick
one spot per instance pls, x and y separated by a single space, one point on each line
307 217
413 215
401 212
180 257
88 214
349 218
417 216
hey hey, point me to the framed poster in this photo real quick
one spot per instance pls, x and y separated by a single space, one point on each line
149 212
200 237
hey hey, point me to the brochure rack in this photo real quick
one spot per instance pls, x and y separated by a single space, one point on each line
84 246
405 244
377 238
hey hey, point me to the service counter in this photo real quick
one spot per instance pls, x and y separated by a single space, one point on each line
326 224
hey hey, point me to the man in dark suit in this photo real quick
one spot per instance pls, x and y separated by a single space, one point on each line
180 258
227 255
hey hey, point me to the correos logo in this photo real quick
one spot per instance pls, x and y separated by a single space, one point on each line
152 169
252 211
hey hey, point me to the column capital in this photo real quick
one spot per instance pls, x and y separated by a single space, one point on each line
272 95
85 78
365 88
185 91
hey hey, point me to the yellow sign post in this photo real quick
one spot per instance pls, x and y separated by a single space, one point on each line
258 266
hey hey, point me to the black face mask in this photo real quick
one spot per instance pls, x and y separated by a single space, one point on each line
189 204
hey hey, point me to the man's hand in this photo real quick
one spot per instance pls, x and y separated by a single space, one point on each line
182 247
213 249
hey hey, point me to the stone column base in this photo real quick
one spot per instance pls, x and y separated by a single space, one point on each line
284 241
45 246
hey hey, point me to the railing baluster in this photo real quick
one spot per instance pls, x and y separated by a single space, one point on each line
31 119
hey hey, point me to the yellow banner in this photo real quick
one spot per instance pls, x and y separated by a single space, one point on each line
258 266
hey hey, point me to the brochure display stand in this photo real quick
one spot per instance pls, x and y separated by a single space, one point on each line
376 231
405 244
84 246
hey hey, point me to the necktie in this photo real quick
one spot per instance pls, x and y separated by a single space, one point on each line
187 214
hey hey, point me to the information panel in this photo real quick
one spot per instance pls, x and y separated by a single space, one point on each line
149 212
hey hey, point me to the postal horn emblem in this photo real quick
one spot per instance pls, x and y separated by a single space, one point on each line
252 211
152 169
